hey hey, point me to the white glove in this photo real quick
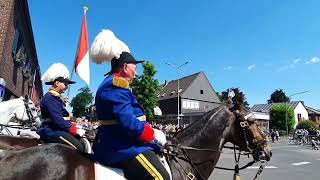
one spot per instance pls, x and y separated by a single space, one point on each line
81 132
159 137
78 126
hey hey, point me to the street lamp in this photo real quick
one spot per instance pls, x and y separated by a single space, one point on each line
287 108
178 90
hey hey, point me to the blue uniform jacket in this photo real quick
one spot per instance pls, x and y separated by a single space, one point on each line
126 139
52 112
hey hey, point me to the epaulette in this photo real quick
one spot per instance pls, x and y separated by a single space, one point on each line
120 82
54 93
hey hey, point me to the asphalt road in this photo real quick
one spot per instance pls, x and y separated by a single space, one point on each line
292 162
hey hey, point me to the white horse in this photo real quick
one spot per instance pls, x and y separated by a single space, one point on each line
22 111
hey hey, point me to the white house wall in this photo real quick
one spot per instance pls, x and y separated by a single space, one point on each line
300 109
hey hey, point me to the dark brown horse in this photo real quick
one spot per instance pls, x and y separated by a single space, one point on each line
199 146
16 143
217 127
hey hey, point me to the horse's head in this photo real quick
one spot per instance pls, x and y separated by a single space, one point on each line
246 134
26 112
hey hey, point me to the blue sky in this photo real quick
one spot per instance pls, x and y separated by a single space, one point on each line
257 46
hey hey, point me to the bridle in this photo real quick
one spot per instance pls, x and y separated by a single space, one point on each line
28 111
251 146
245 127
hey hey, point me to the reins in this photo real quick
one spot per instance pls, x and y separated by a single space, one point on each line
29 113
186 158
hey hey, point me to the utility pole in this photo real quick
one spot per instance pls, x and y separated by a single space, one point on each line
178 90
287 108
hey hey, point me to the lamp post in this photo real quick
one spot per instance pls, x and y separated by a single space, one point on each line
178 90
287 108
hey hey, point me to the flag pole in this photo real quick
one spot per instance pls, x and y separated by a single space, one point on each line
85 9
33 89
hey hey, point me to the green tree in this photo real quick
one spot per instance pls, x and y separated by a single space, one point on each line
278 96
278 117
145 88
224 96
220 96
81 101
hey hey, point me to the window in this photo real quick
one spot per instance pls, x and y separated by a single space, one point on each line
163 94
196 105
15 42
173 92
299 117
19 52
184 104
192 105
201 91
180 90
188 105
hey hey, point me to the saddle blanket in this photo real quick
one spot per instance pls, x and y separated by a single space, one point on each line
101 172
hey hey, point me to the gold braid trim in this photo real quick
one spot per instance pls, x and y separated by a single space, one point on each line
54 93
120 82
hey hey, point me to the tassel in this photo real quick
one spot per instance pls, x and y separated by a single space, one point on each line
236 176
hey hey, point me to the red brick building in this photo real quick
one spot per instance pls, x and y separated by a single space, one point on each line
314 115
19 65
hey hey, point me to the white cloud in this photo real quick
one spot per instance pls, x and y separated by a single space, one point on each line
283 68
314 60
295 61
252 66
286 67
227 68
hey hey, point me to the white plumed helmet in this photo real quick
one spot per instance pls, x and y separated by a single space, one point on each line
56 72
107 46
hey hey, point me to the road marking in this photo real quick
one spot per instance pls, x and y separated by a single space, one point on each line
271 167
267 167
318 159
300 163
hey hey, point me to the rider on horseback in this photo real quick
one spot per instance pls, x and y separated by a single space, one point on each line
54 128
124 139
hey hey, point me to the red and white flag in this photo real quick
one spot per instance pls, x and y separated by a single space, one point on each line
81 64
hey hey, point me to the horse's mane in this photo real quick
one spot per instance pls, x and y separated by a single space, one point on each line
238 100
202 120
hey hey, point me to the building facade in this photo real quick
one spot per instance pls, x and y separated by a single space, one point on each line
19 66
314 115
262 111
196 97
